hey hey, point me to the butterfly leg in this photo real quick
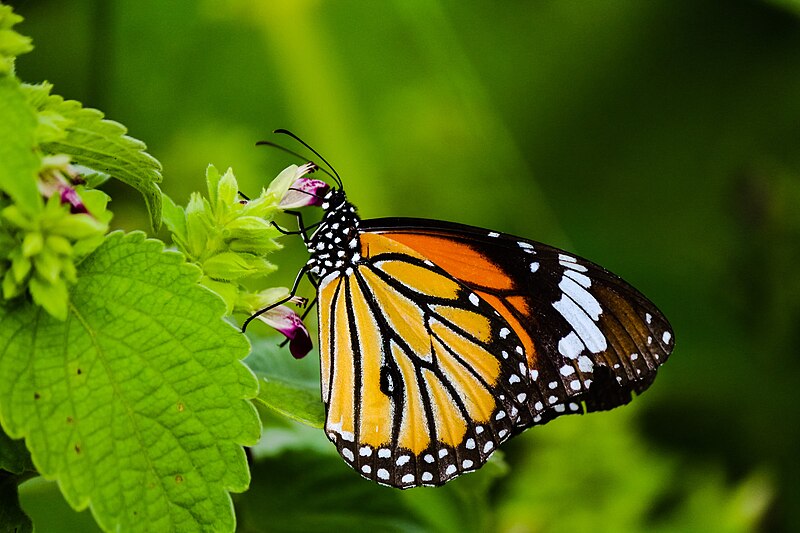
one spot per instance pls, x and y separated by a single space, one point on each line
292 292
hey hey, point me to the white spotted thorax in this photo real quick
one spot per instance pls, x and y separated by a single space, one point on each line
334 246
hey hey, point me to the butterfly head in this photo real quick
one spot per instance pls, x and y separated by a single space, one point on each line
334 247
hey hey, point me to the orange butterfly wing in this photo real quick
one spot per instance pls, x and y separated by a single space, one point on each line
590 339
421 378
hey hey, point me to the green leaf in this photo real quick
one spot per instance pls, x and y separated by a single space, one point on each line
174 217
229 266
298 401
19 163
136 403
288 386
103 146
12 43
286 496
45 505
344 501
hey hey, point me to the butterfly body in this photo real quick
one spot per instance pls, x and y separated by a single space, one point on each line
440 341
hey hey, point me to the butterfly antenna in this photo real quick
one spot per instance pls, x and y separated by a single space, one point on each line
301 141
292 152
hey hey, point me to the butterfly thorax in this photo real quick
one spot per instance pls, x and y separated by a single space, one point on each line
334 246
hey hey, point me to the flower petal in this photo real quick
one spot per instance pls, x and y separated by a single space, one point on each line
69 196
304 192
289 324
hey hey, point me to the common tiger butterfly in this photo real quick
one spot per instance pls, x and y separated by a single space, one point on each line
440 341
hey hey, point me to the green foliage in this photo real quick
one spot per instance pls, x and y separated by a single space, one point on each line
343 501
288 387
66 127
119 373
41 250
12 44
19 163
228 237
136 402
599 470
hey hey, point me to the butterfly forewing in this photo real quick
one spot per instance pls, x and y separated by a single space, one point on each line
589 338
422 378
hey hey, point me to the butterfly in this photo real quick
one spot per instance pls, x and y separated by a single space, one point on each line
440 341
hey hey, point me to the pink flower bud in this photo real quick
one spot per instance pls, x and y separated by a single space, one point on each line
69 196
288 323
304 191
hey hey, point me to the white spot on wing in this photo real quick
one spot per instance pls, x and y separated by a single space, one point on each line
584 326
666 337
493 234
348 454
570 346
408 478
579 278
581 296
474 298
534 267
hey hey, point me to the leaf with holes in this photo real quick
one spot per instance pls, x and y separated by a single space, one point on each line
137 403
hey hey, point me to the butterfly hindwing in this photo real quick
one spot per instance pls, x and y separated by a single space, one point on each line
590 339
422 378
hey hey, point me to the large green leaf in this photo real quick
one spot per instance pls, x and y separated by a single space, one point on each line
136 403
18 161
288 386
101 145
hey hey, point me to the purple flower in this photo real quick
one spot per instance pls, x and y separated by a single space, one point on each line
69 196
289 324
304 192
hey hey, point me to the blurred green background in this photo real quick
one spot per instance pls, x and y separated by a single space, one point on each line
658 138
